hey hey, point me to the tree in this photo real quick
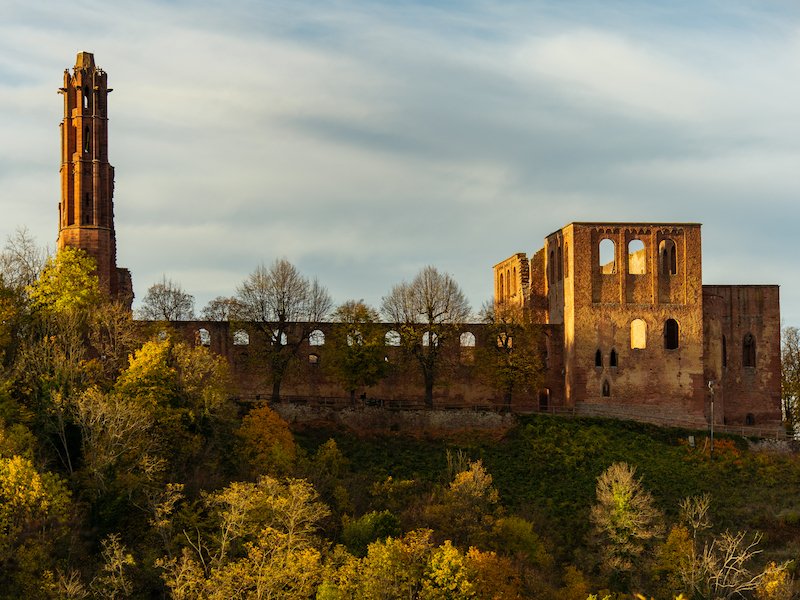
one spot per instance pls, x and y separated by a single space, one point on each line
512 358
21 260
428 312
358 348
262 544
267 443
34 508
790 374
221 309
167 301
285 307
68 282
625 519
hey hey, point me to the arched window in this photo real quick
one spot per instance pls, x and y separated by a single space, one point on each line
501 294
514 281
508 284
355 338
638 334
316 338
551 268
637 258
671 334
283 339
241 338
86 138
467 340
86 97
392 338
313 359
667 257
612 361
608 257
606 389
749 351
724 352
203 337
598 358
429 338
504 340
560 264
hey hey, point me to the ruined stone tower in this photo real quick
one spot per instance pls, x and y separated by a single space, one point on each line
86 210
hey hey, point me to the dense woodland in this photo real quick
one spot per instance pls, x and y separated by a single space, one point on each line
127 471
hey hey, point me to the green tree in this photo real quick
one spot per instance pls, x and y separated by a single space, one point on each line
512 358
358 347
262 544
466 510
428 312
67 283
625 521
34 509
285 308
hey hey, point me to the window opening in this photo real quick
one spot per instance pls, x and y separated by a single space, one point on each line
467 340
392 338
501 294
241 338
313 359
750 419
560 264
86 145
429 338
544 399
551 268
606 389
598 359
203 337
612 362
671 334
637 257
283 339
749 351
667 257
608 257
566 259
86 97
724 352
638 334
316 338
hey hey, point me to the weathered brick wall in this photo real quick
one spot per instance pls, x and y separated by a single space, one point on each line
461 382
743 394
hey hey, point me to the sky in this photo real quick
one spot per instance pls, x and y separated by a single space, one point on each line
365 140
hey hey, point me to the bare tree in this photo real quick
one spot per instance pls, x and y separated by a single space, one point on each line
167 301
21 260
286 307
221 308
428 312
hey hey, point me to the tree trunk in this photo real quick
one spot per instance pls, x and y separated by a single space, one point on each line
429 391
276 390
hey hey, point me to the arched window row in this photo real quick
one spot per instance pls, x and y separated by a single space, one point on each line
637 257
613 359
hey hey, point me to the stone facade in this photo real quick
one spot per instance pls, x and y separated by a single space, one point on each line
86 210
642 335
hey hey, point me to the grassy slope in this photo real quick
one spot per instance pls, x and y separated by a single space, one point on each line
546 469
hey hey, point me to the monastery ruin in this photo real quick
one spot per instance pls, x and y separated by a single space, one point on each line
627 327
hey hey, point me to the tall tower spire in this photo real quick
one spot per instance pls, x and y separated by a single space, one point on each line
86 210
